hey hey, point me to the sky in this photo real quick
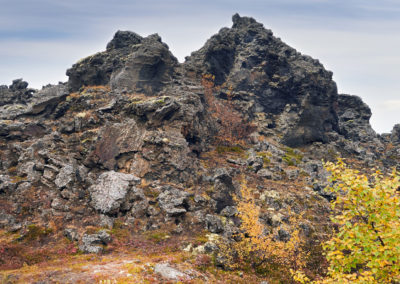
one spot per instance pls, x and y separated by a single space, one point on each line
358 40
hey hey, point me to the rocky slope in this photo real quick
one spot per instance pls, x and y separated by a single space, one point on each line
130 142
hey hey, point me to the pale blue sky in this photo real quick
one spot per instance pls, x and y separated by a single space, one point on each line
359 40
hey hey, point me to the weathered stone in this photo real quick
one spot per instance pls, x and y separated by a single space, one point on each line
223 189
214 224
147 69
170 273
94 243
116 139
265 173
6 185
110 190
354 116
173 201
65 177
395 134
97 69
71 234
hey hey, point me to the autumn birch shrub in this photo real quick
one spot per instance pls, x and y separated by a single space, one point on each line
257 248
366 247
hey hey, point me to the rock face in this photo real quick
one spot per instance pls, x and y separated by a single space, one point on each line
354 117
131 63
117 139
298 88
147 69
97 69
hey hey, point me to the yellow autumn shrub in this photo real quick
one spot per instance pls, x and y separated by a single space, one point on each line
366 247
258 249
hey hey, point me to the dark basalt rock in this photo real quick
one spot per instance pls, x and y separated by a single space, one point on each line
354 117
147 69
17 92
249 58
395 134
97 69
131 63
123 39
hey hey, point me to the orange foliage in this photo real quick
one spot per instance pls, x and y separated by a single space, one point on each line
260 249
233 129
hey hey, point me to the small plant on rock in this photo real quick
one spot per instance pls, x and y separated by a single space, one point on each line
256 248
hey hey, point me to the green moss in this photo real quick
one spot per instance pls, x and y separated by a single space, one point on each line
156 236
291 157
265 156
36 232
160 101
229 149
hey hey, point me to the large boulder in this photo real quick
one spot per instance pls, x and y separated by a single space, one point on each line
173 201
94 243
250 59
110 190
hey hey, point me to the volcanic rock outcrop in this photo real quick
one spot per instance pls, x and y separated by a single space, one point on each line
293 88
133 136
130 63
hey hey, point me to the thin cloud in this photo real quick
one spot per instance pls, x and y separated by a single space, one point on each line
391 105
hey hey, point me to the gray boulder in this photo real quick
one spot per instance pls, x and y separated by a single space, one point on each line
395 134
214 224
94 243
173 201
130 63
110 190
170 273
65 177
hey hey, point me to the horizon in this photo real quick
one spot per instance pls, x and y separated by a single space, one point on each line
357 40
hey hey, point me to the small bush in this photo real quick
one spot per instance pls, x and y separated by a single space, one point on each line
365 249
256 248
